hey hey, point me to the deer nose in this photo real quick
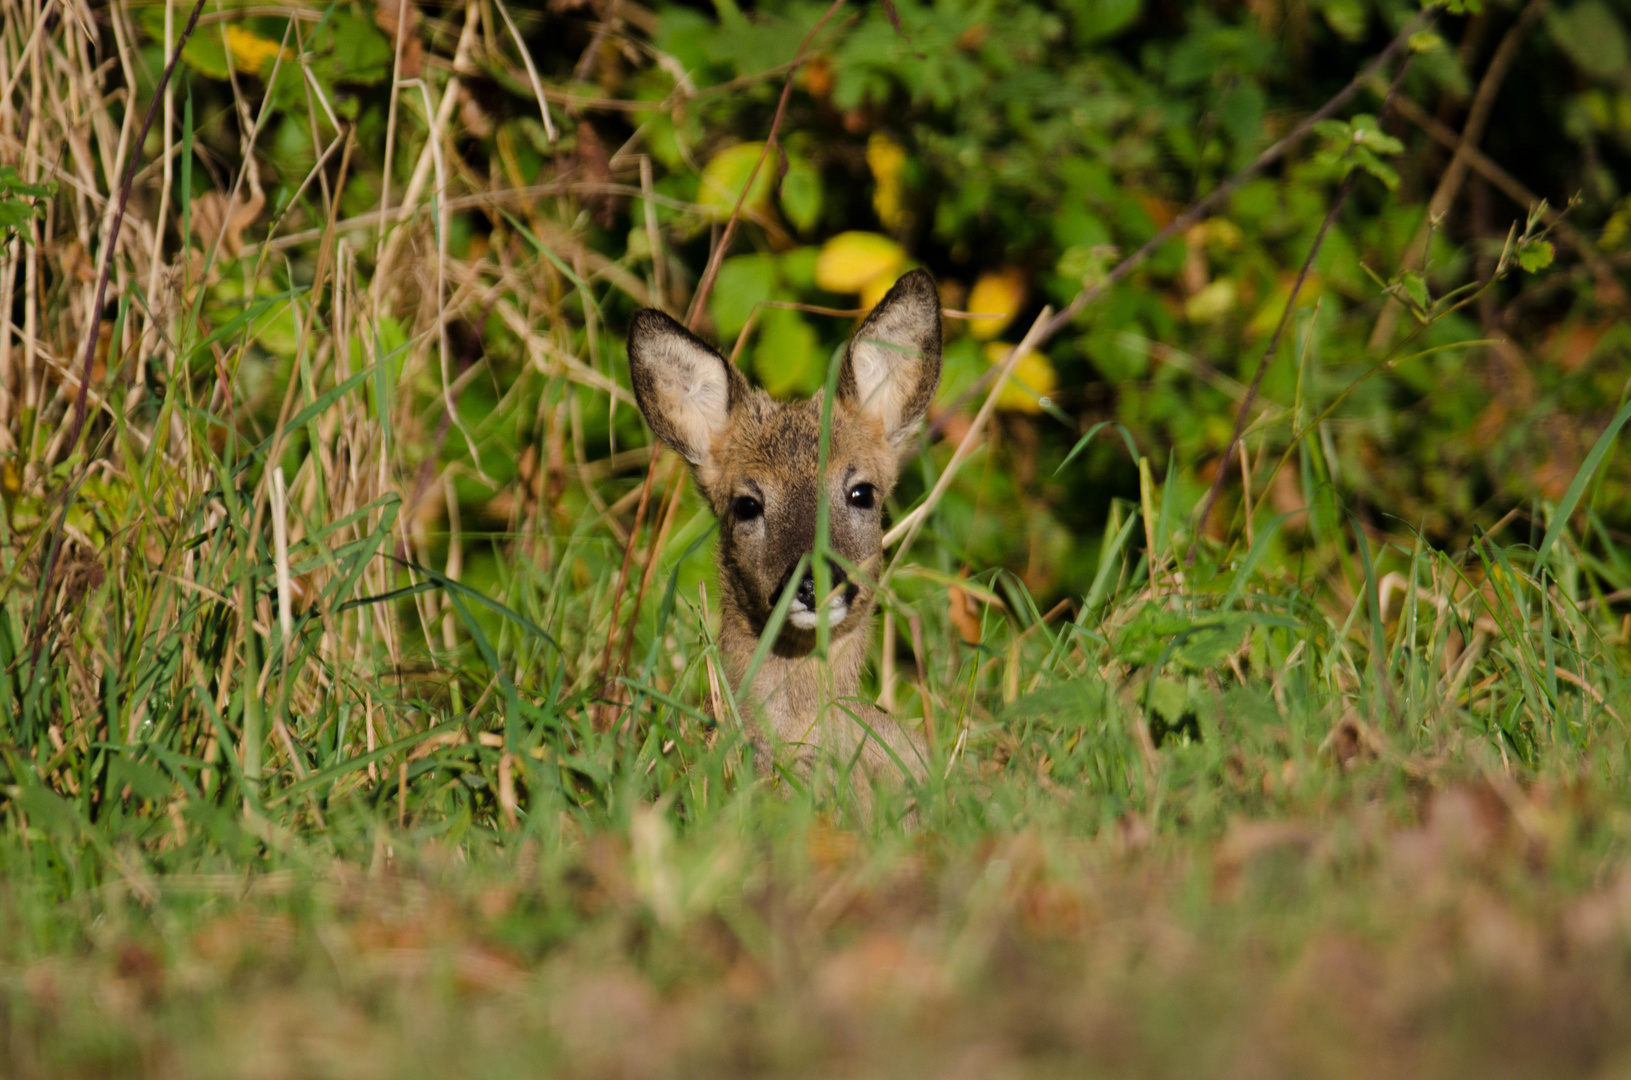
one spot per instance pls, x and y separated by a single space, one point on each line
806 593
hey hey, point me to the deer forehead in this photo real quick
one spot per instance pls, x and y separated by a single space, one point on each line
779 444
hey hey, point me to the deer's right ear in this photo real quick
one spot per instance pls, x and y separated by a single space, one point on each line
893 364
685 389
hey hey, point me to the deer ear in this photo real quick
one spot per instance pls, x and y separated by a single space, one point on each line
685 388
893 364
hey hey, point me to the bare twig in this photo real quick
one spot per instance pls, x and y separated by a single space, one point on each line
623 580
1222 476
906 530
676 489
118 221
694 316
586 63
1449 185
1509 185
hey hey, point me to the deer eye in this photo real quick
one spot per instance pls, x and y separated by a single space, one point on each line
862 496
746 507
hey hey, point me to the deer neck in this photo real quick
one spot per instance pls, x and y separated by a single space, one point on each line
793 683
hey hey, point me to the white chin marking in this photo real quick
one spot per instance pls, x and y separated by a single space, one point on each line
805 619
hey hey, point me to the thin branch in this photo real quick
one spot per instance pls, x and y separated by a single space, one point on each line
1449 185
1508 184
1285 317
708 275
906 530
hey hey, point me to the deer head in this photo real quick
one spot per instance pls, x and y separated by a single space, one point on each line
756 459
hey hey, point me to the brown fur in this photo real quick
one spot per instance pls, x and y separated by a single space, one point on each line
742 443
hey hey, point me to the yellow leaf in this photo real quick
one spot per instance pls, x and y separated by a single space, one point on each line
1213 302
1268 316
997 292
1224 232
850 261
727 174
250 51
1033 378
886 159
873 292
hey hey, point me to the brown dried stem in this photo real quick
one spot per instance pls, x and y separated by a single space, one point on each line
92 331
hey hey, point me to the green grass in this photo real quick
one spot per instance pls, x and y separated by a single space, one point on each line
1260 822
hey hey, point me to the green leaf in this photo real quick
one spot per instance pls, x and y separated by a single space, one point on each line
1535 255
1347 17
1592 37
1078 703
17 205
1415 287
1169 698
787 356
206 53
1141 641
744 282
801 194
1339 131
1240 112
1200 642
14 215
1588 469
1210 645
13 185
724 178
351 49
1379 141
1364 159
798 267
1097 20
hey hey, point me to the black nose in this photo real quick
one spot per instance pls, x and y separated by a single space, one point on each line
806 593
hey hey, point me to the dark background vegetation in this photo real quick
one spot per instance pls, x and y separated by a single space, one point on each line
1039 142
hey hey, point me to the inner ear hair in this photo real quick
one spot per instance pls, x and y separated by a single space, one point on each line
684 387
892 367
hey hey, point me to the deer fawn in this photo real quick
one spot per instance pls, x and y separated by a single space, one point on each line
756 460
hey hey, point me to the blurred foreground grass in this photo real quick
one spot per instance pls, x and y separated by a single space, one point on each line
355 683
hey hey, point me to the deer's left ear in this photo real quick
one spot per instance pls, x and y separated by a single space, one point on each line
893 364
